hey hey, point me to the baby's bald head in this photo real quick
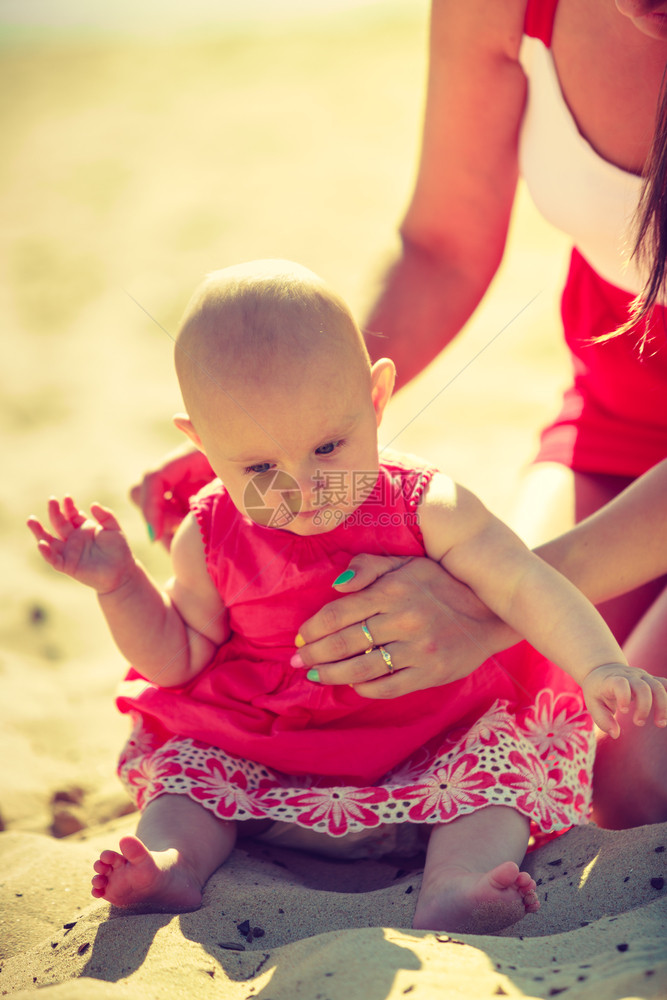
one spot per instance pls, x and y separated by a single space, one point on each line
265 320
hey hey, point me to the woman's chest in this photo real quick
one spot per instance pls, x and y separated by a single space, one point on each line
610 74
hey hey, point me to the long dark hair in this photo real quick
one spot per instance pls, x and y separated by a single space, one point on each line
651 223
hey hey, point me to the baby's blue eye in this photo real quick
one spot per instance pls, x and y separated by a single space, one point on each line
260 467
326 449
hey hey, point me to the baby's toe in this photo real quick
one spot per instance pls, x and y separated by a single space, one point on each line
531 902
525 883
99 885
112 859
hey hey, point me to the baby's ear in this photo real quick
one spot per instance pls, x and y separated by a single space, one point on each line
183 422
383 375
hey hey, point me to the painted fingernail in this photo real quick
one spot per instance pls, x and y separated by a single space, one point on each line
296 661
313 675
299 640
345 577
151 532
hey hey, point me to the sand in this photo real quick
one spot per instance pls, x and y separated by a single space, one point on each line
131 167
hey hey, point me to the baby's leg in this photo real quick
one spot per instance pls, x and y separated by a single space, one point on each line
472 883
178 845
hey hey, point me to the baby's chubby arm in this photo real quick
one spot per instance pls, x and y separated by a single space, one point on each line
169 635
539 603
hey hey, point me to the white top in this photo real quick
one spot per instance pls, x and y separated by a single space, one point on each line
573 187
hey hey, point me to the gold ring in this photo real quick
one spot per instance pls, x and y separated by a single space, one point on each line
367 634
386 656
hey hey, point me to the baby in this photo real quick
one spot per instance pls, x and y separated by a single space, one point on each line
230 735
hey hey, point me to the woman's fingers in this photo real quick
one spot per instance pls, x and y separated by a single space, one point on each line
325 627
365 569
367 667
399 683
435 628
361 599
162 495
149 495
369 676
348 642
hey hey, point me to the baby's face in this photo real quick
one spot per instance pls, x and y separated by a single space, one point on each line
300 453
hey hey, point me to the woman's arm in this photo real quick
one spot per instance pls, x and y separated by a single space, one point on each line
453 235
620 547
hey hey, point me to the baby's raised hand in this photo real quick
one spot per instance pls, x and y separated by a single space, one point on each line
94 552
614 687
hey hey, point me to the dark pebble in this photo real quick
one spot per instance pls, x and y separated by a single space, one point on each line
37 614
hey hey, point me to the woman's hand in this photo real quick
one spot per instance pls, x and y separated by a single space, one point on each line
164 492
434 629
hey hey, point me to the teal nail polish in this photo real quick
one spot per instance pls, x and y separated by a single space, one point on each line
151 532
313 675
344 577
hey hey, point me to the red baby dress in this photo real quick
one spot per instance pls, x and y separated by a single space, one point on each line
251 737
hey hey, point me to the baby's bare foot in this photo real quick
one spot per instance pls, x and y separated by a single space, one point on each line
160 880
475 903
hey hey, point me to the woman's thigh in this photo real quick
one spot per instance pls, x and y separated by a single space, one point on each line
630 779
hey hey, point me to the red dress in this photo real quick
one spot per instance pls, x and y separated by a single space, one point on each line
251 737
614 415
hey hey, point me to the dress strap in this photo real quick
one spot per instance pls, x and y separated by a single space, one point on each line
539 20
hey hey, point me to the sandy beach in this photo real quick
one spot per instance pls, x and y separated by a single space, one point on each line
133 165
